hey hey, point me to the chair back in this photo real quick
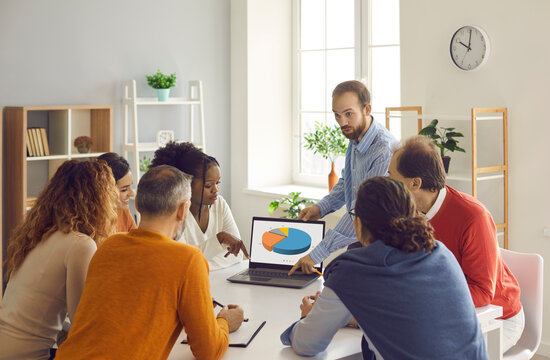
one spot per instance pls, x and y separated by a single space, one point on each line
528 270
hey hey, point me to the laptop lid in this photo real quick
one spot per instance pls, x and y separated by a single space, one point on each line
279 243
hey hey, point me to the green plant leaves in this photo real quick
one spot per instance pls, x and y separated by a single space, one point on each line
329 142
161 81
443 138
144 164
294 205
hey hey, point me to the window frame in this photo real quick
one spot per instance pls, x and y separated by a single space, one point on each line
363 72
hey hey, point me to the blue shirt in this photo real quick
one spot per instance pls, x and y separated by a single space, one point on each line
365 159
408 305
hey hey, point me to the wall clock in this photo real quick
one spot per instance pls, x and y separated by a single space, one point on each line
469 48
164 137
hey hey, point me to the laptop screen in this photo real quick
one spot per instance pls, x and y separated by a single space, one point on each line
280 243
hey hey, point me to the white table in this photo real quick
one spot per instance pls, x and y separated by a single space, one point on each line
279 307
492 329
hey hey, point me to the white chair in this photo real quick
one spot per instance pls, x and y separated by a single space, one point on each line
528 270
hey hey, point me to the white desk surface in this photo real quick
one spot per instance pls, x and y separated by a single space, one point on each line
279 307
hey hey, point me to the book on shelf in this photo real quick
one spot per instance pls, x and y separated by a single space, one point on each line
38 141
44 137
30 150
32 142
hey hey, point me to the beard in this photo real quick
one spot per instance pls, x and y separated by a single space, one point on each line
357 131
179 233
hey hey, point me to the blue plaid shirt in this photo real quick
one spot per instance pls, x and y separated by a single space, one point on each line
368 158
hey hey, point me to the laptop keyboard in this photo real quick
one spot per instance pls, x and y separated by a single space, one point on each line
278 274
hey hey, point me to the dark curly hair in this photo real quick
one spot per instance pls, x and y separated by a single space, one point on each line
117 163
185 157
386 209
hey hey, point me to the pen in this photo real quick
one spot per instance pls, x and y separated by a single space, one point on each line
318 272
221 305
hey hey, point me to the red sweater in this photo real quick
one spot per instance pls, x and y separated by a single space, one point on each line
466 227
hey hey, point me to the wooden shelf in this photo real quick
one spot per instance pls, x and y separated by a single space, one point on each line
63 124
477 174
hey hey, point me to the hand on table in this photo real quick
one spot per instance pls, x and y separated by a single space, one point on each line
233 244
310 213
306 264
308 302
234 315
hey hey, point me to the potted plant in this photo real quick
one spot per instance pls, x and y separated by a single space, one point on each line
330 143
295 205
83 144
444 139
162 83
144 164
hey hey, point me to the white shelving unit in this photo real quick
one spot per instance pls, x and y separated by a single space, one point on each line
130 100
476 173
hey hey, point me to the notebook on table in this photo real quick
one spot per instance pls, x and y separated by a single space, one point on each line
275 246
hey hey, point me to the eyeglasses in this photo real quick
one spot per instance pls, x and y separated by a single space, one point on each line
352 214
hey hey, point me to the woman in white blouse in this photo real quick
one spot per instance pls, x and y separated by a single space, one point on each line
210 226
48 256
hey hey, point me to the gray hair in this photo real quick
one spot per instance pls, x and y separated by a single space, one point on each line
162 189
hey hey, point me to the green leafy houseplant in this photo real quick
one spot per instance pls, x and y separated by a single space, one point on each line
161 81
295 205
144 164
329 142
444 139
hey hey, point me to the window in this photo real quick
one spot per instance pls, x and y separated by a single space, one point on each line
335 41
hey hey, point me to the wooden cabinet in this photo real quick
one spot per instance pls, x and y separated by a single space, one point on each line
26 176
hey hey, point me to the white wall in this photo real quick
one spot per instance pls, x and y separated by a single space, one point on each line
260 103
78 52
516 76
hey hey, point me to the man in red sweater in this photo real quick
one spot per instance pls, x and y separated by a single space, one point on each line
466 227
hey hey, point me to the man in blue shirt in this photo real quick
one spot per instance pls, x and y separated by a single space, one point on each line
369 154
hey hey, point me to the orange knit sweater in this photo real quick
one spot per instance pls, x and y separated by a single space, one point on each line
142 288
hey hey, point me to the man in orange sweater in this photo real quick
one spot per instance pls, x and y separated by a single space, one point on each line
466 227
143 287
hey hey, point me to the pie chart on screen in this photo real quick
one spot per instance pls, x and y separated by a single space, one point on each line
286 241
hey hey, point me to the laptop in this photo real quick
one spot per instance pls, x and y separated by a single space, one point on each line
275 246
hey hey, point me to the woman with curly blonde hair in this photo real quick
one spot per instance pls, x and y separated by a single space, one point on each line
48 256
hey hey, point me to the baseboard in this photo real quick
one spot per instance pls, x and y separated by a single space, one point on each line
544 349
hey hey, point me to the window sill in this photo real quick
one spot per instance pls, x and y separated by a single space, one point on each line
307 192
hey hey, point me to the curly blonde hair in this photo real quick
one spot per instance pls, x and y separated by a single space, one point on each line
81 197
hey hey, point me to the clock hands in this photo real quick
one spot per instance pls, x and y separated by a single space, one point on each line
470 40
466 46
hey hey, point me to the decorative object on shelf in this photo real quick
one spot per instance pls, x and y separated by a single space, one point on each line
444 139
469 48
162 83
330 143
164 137
83 143
295 205
144 164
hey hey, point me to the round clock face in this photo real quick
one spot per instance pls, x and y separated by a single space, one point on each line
164 137
469 47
